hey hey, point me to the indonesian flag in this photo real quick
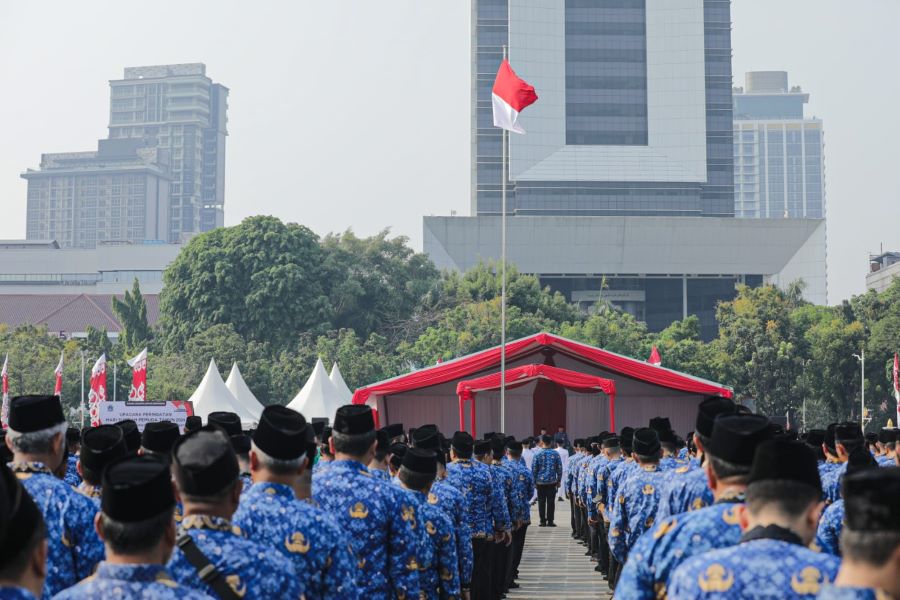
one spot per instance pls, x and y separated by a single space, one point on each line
98 389
510 96
4 413
655 359
57 389
896 383
138 376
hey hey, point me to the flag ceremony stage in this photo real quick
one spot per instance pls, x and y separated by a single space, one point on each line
641 391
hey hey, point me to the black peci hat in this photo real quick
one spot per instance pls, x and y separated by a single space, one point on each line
383 440
870 500
498 446
660 424
100 446
886 435
708 410
398 449
132 435
612 442
73 435
19 517
735 437
848 431
645 442
420 461
482 447
204 463
319 428
395 430
28 414
192 423
6 454
786 460
281 433
160 436
829 436
514 446
240 444
137 488
668 437
228 421
815 438
425 438
860 459
354 419
462 441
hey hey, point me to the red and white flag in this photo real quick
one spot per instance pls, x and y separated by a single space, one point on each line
896 385
4 412
510 96
98 390
138 376
57 389
655 359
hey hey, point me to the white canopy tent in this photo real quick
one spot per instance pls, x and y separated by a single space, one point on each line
212 396
337 380
318 397
241 392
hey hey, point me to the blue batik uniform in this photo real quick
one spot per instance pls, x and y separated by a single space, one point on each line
380 474
573 463
270 515
685 489
380 524
831 484
15 593
886 461
603 481
831 524
90 491
503 479
670 542
453 503
439 578
487 510
73 546
683 454
246 482
251 569
757 569
131 582
669 463
591 485
72 477
634 510
522 491
547 467
616 479
320 466
833 592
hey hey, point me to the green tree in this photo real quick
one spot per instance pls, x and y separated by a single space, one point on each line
610 329
131 311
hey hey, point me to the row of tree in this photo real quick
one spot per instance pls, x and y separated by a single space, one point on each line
274 297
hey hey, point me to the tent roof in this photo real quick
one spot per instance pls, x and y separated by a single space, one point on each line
337 379
611 362
242 393
212 395
318 397
515 377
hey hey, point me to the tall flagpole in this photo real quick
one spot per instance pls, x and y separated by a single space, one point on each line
503 174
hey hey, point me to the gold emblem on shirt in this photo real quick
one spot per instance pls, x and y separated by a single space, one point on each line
682 469
659 591
648 523
409 515
432 499
614 532
731 516
809 581
648 490
164 579
445 574
664 528
716 578
297 543
234 582
412 565
697 504
430 528
359 511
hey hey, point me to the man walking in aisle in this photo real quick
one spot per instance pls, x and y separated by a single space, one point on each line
547 472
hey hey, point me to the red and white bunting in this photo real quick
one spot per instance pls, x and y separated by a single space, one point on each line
4 412
57 388
896 385
138 377
98 390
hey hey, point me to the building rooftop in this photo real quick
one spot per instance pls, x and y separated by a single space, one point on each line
67 313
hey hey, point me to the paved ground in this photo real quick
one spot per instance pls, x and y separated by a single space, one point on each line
554 565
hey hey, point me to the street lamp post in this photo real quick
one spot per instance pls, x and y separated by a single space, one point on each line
861 357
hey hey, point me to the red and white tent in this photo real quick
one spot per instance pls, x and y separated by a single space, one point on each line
642 391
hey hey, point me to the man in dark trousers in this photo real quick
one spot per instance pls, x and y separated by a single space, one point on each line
547 472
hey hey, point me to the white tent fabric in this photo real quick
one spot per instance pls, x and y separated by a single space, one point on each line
212 395
318 397
241 392
340 385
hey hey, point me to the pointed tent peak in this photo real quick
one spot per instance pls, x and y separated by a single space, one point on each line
242 392
337 380
655 359
212 395
318 397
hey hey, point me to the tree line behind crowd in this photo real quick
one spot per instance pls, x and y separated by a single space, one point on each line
273 297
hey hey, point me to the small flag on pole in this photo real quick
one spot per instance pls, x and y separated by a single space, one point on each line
655 359
896 383
510 96
57 389
138 377
4 412
98 390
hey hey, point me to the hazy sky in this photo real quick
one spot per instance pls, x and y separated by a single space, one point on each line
356 113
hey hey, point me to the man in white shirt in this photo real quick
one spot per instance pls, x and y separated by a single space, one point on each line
564 456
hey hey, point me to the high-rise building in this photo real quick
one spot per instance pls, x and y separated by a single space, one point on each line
623 187
180 109
779 164
118 193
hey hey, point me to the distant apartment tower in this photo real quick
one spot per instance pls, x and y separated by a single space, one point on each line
179 109
779 159
118 193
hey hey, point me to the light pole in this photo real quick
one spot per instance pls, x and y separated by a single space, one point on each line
861 357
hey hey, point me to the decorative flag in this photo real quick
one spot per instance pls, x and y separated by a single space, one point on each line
57 389
4 413
896 383
138 376
655 358
98 389
509 97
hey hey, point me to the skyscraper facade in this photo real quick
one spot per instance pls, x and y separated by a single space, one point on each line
179 109
779 153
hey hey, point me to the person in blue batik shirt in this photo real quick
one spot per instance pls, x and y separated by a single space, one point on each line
208 478
568 482
37 435
99 447
871 538
325 456
439 577
378 467
23 547
616 452
523 488
634 508
241 445
486 509
138 530
503 478
73 447
379 521
847 437
828 535
772 560
547 471
886 447
270 514
158 438
729 455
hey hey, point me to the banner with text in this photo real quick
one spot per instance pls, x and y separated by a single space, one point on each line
143 412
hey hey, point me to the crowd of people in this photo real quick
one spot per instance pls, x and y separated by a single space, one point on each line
297 509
